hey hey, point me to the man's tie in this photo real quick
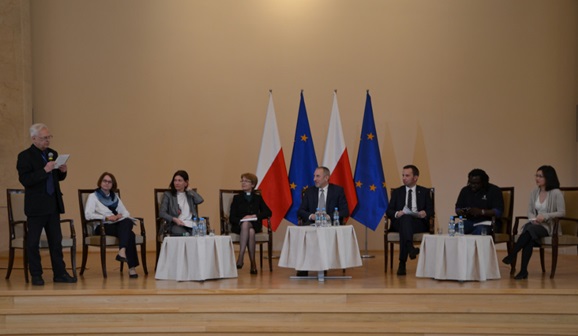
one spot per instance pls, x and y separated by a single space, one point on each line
50 180
409 199
321 203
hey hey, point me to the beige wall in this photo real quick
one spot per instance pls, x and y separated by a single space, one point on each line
15 97
143 88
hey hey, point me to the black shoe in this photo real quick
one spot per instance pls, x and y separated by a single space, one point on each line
302 273
239 266
522 275
133 275
37 280
254 271
401 268
64 278
121 259
507 260
413 253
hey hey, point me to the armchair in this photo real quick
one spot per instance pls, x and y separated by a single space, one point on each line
225 200
391 237
564 232
18 230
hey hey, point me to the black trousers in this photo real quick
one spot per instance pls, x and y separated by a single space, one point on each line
126 238
406 226
51 225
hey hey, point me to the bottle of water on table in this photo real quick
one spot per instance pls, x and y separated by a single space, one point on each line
336 217
317 217
452 227
460 226
202 227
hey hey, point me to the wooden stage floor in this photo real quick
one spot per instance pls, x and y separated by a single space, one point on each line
372 302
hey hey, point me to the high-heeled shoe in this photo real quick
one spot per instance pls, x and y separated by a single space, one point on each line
522 275
121 259
239 266
132 274
507 260
254 271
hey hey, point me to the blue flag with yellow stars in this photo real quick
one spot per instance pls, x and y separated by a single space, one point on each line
369 177
303 162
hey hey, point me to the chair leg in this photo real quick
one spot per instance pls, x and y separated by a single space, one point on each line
25 258
391 256
270 254
261 256
542 260
158 254
513 264
84 258
10 263
385 254
73 259
103 261
143 257
554 260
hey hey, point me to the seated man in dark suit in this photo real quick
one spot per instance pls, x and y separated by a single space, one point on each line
323 195
409 209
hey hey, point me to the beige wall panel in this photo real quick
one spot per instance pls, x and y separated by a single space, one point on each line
15 97
143 88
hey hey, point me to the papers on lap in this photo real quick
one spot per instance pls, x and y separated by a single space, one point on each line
408 211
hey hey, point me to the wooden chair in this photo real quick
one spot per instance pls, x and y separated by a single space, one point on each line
90 238
391 237
18 230
225 200
504 234
564 233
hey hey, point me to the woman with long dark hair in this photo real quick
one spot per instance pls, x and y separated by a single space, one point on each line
546 203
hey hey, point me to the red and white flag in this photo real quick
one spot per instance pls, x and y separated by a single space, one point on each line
271 170
337 159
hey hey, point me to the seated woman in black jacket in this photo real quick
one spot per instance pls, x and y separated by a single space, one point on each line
248 210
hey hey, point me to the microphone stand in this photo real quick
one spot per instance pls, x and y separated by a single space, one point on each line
366 255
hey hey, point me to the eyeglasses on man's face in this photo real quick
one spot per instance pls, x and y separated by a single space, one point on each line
45 138
246 181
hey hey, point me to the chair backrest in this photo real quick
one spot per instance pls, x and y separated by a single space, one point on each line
571 203
507 215
15 203
159 192
225 199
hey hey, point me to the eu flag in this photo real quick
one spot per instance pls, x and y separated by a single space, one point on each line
369 178
303 162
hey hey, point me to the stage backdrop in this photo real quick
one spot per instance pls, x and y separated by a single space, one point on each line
144 88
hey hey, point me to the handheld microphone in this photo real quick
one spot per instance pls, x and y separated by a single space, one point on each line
50 156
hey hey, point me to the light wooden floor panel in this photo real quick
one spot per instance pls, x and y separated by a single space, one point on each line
371 303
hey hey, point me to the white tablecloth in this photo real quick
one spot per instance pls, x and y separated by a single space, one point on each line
196 258
308 248
458 258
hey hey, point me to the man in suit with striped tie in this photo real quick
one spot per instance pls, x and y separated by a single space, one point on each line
323 195
409 209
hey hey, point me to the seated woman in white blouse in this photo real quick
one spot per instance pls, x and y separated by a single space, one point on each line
105 204
178 205
546 204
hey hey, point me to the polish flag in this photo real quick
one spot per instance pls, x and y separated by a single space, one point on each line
337 159
271 170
